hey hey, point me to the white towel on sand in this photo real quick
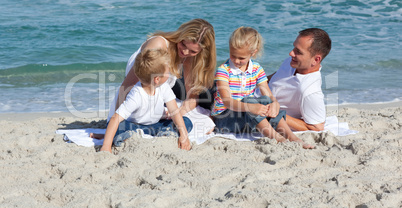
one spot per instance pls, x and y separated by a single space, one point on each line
81 136
338 128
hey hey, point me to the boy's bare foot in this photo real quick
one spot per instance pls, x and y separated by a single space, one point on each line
96 136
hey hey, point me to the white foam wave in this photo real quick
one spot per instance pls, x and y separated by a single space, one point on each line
396 100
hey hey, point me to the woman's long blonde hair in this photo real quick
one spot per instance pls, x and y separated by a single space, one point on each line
204 63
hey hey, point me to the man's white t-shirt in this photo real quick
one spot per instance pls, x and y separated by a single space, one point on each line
299 94
142 108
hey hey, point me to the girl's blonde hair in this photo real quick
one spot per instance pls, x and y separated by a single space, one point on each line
151 63
198 31
247 37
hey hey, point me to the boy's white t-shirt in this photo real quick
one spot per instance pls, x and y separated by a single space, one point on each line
300 95
142 108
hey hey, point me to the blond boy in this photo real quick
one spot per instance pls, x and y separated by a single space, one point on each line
143 107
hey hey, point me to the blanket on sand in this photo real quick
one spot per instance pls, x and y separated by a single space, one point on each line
81 136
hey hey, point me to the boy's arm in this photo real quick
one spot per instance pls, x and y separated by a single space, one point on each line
273 108
184 142
110 132
235 105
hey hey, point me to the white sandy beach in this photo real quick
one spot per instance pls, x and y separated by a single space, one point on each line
363 170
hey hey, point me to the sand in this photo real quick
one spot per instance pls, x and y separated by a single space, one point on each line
363 170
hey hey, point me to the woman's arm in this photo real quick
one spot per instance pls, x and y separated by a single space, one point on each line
188 104
191 100
125 87
131 78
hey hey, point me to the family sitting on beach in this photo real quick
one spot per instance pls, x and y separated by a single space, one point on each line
181 64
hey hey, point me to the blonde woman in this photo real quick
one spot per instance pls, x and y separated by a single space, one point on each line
193 60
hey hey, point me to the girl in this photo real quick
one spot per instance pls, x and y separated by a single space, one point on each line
235 107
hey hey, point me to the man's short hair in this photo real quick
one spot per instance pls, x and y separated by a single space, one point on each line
321 42
150 63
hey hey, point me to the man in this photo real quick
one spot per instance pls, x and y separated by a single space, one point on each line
297 83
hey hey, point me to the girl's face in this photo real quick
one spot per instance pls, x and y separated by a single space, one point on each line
187 48
240 57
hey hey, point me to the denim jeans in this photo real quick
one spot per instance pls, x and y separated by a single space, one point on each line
162 128
238 122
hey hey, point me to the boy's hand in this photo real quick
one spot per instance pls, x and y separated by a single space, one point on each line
273 109
258 109
106 149
184 143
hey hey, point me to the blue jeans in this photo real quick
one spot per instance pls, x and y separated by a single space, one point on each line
238 122
157 129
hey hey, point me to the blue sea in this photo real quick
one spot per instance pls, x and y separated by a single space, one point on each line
66 55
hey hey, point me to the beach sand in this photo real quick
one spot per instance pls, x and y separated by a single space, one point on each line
363 170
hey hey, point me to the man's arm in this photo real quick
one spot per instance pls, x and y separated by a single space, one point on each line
312 111
300 125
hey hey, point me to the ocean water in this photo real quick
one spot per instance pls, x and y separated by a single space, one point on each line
70 55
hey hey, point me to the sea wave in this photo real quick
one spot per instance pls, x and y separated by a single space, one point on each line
43 74
50 45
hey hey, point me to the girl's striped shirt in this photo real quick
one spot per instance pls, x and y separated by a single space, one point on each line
242 84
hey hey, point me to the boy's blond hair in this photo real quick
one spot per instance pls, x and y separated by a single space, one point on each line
247 37
151 63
